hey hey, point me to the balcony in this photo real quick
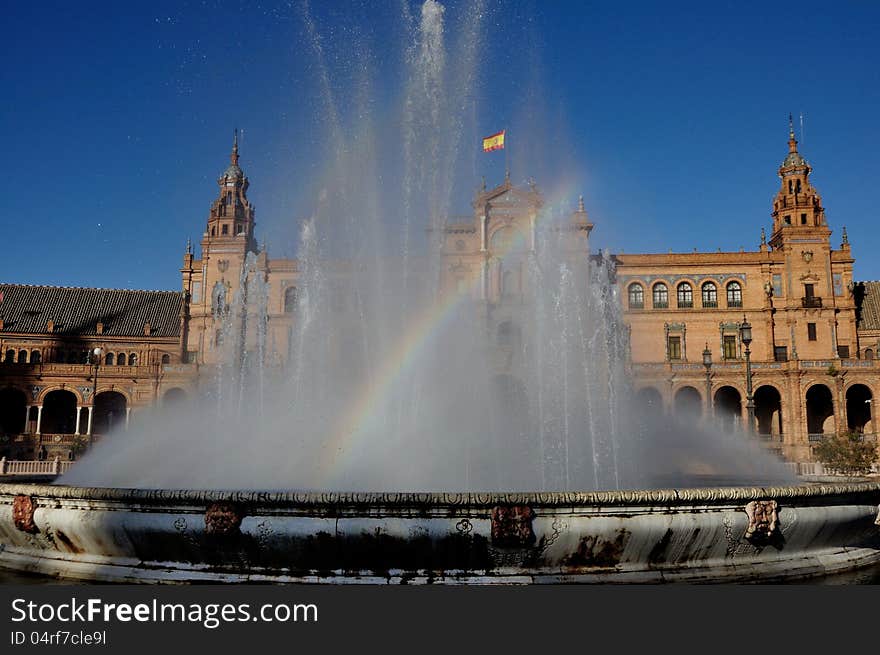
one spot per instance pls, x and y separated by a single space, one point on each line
811 302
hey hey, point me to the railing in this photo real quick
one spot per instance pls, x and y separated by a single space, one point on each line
815 437
811 302
26 467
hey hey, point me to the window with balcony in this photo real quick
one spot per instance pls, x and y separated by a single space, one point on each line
685 296
636 296
661 296
843 352
780 353
729 345
734 295
710 295
673 347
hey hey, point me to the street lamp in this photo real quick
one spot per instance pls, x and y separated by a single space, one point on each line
96 355
745 333
707 362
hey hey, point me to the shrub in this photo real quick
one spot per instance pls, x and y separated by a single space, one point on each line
847 453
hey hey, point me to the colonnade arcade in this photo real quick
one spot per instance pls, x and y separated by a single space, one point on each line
62 411
824 408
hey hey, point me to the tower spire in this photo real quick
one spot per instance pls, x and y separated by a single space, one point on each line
234 156
792 142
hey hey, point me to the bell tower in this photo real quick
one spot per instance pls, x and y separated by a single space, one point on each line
797 209
231 219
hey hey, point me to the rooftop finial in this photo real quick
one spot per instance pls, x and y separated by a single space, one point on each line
507 176
189 246
845 241
792 142
763 237
483 184
581 204
234 156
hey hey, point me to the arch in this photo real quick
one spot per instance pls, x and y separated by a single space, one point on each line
685 295
36 357
869 354
636 295
688 403
109 411
709 294
174 397
22 356
768 410
10 356
166 358
59 412
218 298
660 296
110 359
734 294
650 400
13 410
859 401
728 406
507 239
133 359
820 410
290 300
120 359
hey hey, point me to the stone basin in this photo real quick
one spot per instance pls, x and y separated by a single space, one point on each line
735 534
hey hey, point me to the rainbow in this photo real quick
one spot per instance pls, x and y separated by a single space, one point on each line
354 425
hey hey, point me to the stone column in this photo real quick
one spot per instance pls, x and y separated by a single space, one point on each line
27 419
127 416
78 416
89 428
39 417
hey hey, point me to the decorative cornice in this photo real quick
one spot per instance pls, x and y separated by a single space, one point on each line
294 500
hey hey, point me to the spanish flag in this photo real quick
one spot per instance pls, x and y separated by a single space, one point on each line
494 142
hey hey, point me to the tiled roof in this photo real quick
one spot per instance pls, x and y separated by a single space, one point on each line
77 311
868 305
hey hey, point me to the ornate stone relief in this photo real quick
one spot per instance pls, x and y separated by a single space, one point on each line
23 508
223 518
763 519
512 526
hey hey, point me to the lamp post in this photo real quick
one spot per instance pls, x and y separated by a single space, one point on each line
745 333
707 362
96 355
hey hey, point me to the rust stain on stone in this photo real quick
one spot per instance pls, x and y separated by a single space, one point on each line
63 538
223 518
23 508
512 526
594 553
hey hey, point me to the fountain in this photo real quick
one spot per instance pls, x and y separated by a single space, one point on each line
378 452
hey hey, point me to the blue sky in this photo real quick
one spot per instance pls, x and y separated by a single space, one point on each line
670 118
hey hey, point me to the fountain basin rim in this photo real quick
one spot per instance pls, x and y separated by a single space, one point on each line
669 496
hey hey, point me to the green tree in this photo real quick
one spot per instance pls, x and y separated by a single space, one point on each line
847 453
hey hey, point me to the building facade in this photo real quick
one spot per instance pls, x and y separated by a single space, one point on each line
815 329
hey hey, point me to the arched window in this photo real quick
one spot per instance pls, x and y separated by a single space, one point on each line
710 295
289 300
166 359
22 356
685 295
10 356
120 359
109 359
35 357
734 295
661 296
132 359
636 296
869 354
